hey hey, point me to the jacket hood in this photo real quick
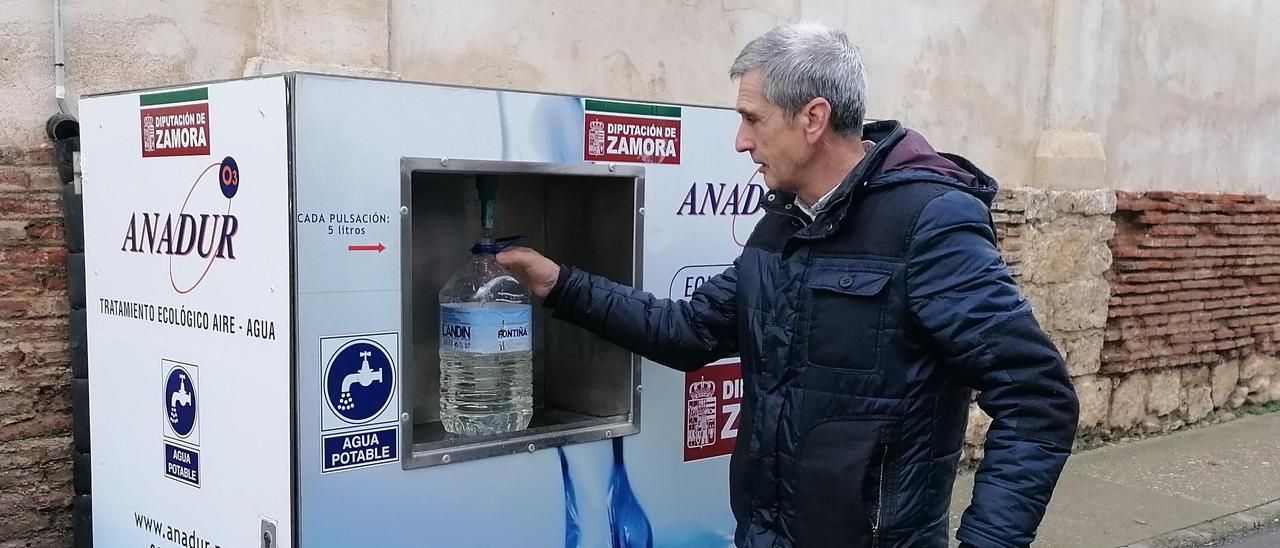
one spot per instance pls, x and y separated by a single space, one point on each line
907 155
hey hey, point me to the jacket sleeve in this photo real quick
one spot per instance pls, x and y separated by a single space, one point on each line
680 334
961 293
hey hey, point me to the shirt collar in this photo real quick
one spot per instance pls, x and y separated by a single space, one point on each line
813 210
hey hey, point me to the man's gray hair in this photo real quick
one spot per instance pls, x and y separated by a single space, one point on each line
803 61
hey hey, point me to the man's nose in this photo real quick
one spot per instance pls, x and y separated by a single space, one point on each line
743 143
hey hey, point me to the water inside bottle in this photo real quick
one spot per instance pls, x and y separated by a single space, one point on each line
488 388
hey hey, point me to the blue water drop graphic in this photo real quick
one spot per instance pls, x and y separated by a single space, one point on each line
627 520
572 530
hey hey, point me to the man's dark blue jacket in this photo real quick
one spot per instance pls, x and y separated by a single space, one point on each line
862 333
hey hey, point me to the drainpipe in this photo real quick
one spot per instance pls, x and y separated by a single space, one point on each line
59 63
64 130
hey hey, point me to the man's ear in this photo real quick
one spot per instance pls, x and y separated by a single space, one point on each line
815 118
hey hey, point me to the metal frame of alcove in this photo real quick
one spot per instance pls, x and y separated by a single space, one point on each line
454 449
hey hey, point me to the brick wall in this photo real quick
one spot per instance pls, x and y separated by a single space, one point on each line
35 376
1195 309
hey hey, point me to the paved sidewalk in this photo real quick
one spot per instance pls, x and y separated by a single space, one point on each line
1142 490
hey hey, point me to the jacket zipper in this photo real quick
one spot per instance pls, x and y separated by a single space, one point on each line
875 525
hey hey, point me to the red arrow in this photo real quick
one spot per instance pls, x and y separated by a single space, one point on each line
377 248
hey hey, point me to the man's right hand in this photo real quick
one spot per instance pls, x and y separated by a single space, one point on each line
537 273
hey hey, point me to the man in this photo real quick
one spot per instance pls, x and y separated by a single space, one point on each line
867 303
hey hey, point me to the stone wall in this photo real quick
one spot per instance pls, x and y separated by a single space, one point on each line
35 376
1055 243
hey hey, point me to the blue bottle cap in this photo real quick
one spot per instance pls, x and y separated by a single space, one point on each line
497 246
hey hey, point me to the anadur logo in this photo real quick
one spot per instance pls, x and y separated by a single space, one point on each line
201 232
721 199
725 199
175 123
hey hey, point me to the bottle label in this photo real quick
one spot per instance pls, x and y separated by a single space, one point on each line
487 330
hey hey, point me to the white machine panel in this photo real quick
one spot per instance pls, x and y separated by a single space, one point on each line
187 261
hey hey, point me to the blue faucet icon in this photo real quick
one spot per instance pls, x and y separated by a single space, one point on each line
182 396
365 376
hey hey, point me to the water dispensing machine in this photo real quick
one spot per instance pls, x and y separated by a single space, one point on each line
264 264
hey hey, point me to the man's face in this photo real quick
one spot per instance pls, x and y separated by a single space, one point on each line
772 137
